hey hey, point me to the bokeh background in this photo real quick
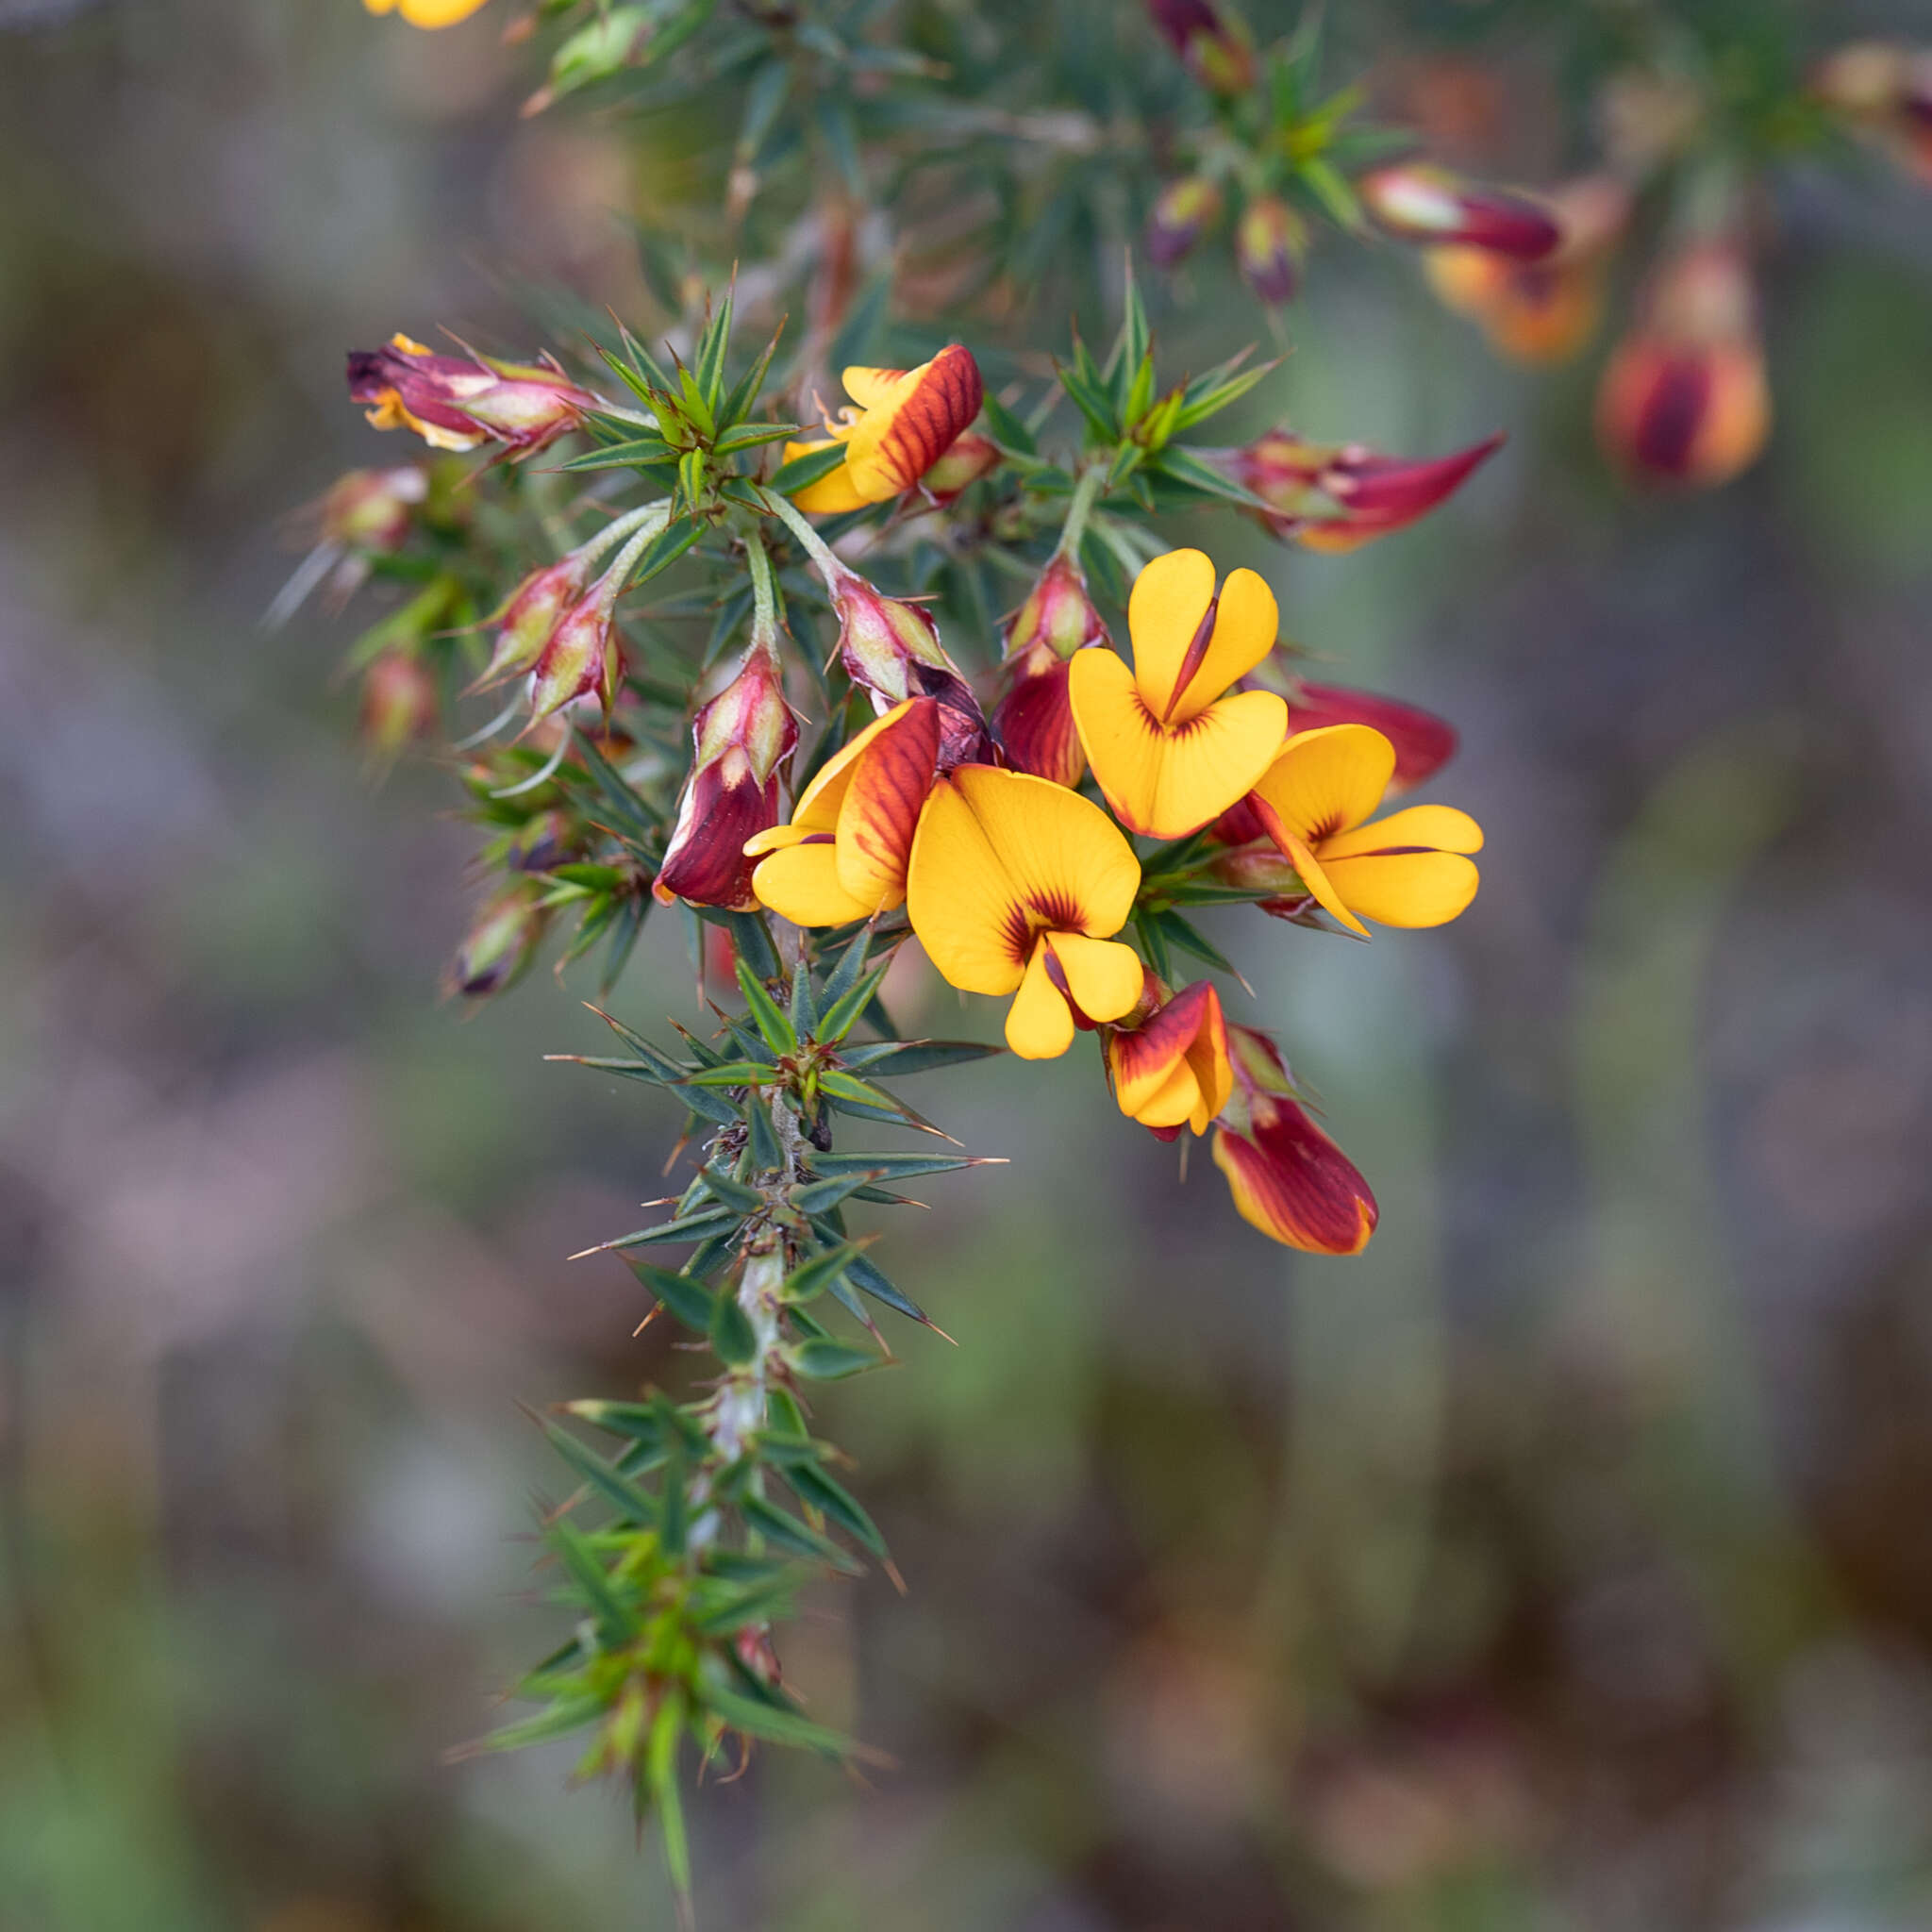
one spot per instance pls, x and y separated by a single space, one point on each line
1565 1562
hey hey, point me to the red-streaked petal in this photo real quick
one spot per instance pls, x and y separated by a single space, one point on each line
879 813
1293 1183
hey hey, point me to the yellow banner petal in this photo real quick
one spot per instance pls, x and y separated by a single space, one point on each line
1329 780
890 776
1168 601
1246 627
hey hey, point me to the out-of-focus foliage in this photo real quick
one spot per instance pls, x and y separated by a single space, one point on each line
1558 1565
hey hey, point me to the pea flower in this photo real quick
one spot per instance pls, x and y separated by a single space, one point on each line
1539 311
1288 1178
426 13
1336 497
1410 869
741 738
1683 398
844 853
1170 751
1034 720
904 420
1423 743
456 402
1168 1060
1211 39
1416 202
1017 886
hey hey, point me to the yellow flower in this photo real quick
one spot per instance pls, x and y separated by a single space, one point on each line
1408 869
1169 750
1168 1059
905 422
1017 885
427 12
843 856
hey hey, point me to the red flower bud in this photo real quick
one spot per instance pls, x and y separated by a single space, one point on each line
1168 1060
1423 743
1183 211
1212 42
971 457
1287 1177
456 403
1034 720
1306 483
891 650
1416 202
1270 242
1683 398
530 616
739 741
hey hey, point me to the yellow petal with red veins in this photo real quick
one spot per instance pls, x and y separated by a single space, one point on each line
889 781
1175 1103
1407 888
777 837
1038 1025
916 418
1165 610
1433 827
1002 855
1166 783
1328 780
801 883
1246 623
820 802
1103 975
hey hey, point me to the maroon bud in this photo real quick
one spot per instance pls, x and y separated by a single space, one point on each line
1270 242
1416 202
1211 39
1183 211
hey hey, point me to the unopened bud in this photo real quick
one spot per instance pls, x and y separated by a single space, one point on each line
499 947
1211 39
532 613
1183 211
1684 397
372 509
741 739
971 457
1416 202
399 705
891 650
455 403
1034 720
1270 242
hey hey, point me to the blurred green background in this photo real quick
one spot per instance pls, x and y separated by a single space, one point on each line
1564 1563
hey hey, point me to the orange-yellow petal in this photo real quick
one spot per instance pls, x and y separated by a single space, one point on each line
801 883
1001 857
834 493
1328 780
1040 1026
884 793
1431 827
820 803
427 14
1408 888
1168 781
1165 611
1103 975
